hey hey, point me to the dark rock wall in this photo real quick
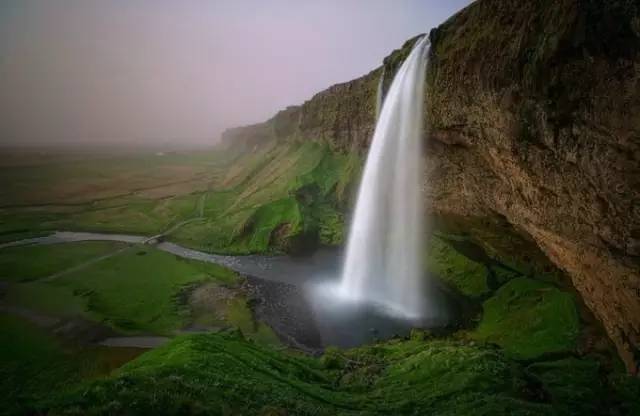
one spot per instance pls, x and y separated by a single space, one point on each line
535 108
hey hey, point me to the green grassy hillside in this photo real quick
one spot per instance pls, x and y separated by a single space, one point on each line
278 198
224 374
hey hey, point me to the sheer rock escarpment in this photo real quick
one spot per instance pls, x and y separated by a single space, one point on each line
535 111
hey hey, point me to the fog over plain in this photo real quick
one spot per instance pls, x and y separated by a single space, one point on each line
160 71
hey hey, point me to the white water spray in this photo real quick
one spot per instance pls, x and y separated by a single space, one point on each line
384 250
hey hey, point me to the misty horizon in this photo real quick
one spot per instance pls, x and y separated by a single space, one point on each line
179 73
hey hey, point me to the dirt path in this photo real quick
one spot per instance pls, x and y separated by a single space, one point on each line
134 342
129 239
54 323
39 319
84 265
199 216
83 331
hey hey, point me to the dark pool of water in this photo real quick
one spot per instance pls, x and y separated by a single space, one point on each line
297 298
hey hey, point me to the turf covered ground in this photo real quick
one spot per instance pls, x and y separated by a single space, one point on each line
132 291
271 199
224 374
524 353
34 364
21 264
138 192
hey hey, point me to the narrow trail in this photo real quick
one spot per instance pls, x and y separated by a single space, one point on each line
146 342
51 322
199 216
84 265
148 240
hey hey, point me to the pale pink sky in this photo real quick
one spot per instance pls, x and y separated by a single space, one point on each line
184 70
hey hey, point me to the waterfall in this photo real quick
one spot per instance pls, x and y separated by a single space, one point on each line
383 261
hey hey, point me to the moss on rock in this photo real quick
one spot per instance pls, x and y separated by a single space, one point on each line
465 275
502 274
281 197
225 374
572 384
529 318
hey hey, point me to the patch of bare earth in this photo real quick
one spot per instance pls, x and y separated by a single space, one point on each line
209 304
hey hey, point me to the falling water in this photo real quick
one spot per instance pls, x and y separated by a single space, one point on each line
384 251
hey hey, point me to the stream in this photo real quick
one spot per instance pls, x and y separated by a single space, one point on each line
293 295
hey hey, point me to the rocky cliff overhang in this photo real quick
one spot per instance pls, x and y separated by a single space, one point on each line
533 110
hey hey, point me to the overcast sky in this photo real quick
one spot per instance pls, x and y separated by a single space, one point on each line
184 70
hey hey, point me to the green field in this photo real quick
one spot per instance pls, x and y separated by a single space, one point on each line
520 350
135 291
139 290
136 193
33 363
20 264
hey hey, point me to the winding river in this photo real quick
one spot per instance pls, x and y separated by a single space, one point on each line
285 269
291 293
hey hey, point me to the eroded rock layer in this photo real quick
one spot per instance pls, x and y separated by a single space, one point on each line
536 108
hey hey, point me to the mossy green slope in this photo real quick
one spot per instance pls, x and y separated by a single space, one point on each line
570 384
30 361
224 374
33 364
529 318
467 276
280 197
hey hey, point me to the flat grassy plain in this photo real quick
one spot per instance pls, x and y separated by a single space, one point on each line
141 193
44 261
135 291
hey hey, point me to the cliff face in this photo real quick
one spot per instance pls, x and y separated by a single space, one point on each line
534 116
535 108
